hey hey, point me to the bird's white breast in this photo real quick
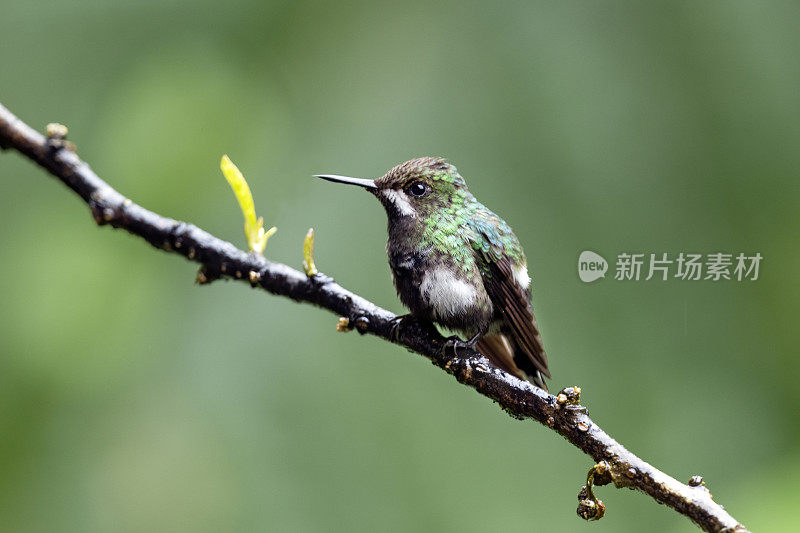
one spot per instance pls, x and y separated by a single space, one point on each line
446 294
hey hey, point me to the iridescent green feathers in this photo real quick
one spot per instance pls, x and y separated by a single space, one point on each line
452 217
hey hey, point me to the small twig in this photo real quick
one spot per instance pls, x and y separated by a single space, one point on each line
221 259
589 507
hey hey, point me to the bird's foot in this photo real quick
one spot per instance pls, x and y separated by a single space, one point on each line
398 323
456 343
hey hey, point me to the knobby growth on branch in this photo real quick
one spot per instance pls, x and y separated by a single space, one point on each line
221 259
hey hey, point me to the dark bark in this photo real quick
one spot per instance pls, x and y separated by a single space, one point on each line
220 258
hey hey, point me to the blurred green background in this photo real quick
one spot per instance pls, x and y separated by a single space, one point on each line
133 400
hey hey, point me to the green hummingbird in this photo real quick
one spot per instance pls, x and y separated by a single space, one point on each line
457 264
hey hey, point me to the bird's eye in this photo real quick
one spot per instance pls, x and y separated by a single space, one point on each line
417 189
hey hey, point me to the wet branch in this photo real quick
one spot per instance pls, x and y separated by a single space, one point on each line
221 259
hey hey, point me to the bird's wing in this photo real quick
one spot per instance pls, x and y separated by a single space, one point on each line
514 303
493 241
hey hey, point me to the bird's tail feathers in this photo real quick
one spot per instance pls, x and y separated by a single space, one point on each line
503 353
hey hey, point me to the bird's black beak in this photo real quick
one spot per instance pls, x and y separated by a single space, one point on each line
361 182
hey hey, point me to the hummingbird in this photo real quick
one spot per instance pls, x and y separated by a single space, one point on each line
457 264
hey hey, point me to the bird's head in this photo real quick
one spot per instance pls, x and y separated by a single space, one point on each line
419 188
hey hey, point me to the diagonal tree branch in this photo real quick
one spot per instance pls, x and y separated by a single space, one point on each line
520 399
